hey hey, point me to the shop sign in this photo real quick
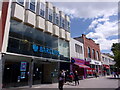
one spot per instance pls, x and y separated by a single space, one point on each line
77 60
23 66
95 62
42 49
22 75
72 61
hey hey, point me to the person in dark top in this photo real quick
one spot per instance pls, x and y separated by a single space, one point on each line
61 79
76 78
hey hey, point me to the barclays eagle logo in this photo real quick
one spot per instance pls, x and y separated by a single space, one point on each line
35 48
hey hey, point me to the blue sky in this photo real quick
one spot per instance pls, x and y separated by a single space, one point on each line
98 20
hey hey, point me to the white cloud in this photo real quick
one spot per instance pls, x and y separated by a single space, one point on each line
100 13
87 9
103 32
93 24
106 44
107 29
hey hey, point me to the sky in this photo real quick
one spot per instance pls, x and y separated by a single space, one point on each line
97 20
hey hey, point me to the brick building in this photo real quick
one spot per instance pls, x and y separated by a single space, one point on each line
91 53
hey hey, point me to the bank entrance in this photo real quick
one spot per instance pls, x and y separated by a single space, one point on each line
21 71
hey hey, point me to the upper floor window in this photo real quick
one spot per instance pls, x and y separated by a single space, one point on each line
56 19
62 22
78 48
97 55
42 10
20 2
67 25
32 5
93 53
103 59
89 55
50 15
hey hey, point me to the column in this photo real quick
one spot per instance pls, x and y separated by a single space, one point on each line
30 79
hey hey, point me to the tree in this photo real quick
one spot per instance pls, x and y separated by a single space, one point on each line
116 51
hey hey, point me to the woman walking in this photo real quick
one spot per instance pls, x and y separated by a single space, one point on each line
76 78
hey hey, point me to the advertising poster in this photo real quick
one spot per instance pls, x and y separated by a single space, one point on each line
23 66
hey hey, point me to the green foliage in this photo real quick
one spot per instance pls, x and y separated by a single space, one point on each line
116 51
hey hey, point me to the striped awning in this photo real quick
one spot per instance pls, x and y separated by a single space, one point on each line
81 65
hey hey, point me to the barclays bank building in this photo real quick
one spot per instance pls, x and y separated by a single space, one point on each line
35 43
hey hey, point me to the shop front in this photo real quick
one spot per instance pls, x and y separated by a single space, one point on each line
96 66
106 69
32 56
79 65
25 71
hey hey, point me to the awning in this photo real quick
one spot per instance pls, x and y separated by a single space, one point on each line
106 66
81 65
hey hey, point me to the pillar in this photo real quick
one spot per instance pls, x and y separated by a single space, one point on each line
30 79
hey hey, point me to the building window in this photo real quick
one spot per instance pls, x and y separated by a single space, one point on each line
78 48
103 59
56 19
50 15
89 55
42 10
62 22
32 5
97 55
21 2
67 25
93 53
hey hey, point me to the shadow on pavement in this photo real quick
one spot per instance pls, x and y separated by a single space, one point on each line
112 78
118 88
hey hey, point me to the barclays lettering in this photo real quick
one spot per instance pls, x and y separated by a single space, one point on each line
44 50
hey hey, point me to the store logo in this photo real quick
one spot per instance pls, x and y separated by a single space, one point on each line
42 49
35 48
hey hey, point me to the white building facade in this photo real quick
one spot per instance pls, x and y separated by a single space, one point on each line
76 49
108 64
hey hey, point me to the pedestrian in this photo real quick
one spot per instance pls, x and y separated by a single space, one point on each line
96 75
66 76
113 74
71 77
61 79
76 78
117 74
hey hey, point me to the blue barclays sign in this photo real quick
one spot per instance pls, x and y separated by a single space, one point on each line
44 50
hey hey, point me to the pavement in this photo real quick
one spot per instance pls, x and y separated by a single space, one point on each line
106 82
100 82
